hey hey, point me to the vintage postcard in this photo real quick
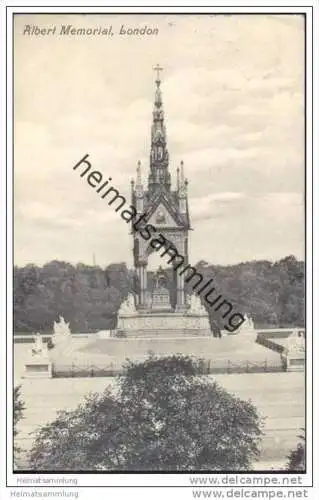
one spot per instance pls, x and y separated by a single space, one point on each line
161 250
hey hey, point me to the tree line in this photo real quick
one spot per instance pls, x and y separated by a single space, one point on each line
89 297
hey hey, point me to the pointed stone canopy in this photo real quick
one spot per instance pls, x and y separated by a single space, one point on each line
159 157
162 206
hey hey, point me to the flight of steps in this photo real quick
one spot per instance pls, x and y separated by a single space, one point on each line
225 352
167 333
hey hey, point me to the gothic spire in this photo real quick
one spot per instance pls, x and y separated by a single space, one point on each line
159 175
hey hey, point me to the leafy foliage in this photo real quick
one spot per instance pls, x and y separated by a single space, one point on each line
162 417
89 297
18 408
297 457
86 296
272 293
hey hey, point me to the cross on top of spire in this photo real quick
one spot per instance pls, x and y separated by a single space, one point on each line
158 68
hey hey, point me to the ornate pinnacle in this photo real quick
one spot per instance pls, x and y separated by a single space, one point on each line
183 182
138 174
158 68
182 173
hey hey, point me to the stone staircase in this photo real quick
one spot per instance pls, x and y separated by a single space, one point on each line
167 333
225 352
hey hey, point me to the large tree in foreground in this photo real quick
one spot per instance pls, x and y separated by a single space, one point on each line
162 417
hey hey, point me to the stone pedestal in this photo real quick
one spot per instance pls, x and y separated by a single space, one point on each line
163 323
293 362
293 357
161 301
158 319
38 367
38 364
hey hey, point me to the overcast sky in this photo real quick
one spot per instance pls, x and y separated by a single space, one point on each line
233 100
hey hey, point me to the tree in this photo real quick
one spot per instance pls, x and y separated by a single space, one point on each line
18 408
272 293
297 457
118 276
163 417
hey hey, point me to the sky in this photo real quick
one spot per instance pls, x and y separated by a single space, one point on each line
233 92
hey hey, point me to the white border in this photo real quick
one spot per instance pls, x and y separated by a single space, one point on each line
153 480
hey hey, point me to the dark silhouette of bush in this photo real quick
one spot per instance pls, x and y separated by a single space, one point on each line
297 457
18 409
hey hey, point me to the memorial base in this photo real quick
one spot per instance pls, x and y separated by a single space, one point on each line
164 324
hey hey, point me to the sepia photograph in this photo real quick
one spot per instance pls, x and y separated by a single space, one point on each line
159 243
